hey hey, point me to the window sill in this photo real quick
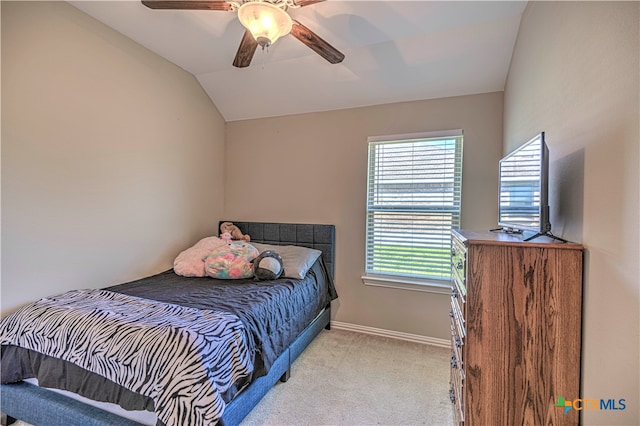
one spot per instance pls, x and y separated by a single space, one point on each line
404 283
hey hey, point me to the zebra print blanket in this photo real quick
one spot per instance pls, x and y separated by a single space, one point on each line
182 358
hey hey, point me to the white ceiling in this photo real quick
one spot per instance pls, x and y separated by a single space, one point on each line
395 51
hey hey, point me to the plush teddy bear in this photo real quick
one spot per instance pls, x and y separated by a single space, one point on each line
236 233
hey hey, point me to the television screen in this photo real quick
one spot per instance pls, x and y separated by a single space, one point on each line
523 186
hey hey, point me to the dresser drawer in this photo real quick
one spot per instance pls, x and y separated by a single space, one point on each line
456 393
456 382
456 390
457 341
457 316
459 266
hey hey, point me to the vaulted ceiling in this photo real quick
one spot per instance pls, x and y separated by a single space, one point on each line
394 51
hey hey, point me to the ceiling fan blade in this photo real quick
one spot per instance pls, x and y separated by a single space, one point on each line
306 2
245 51
316 43
187 5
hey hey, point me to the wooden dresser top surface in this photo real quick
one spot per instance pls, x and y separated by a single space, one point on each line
501 238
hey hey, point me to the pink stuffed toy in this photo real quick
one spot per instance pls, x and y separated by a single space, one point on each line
190 262
226 237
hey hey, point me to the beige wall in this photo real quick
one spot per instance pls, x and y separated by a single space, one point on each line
112 158
312 168
574 74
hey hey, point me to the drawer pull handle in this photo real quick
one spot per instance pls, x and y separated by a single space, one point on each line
459 265
454 293
458 343
451 313
454 364
452 395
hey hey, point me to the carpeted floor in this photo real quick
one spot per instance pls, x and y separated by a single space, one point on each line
347 378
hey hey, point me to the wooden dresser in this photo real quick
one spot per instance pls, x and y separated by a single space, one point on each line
515 328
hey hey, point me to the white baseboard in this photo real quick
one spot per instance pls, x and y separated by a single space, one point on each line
416 338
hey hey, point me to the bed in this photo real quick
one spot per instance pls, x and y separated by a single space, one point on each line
260 343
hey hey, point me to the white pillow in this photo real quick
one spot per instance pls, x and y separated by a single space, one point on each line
296 260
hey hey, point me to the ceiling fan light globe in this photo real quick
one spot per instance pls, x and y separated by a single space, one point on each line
265 21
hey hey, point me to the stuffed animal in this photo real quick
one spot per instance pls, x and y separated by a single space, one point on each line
236 233
226 237
268 266
231 261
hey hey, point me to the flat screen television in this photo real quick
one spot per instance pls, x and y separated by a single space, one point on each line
524 189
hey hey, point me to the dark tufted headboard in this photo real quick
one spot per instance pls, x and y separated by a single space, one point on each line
316 236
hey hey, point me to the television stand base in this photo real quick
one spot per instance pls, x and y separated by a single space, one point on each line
545 234
506 230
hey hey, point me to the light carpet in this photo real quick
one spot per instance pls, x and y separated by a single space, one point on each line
348 378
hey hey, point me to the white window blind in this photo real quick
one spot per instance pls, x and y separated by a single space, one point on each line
413 202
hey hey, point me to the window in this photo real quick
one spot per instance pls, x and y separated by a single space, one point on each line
413 202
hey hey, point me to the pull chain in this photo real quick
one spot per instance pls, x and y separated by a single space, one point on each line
264 54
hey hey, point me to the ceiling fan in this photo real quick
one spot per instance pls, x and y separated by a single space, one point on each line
265 21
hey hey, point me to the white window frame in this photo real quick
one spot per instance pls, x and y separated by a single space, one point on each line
409 281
